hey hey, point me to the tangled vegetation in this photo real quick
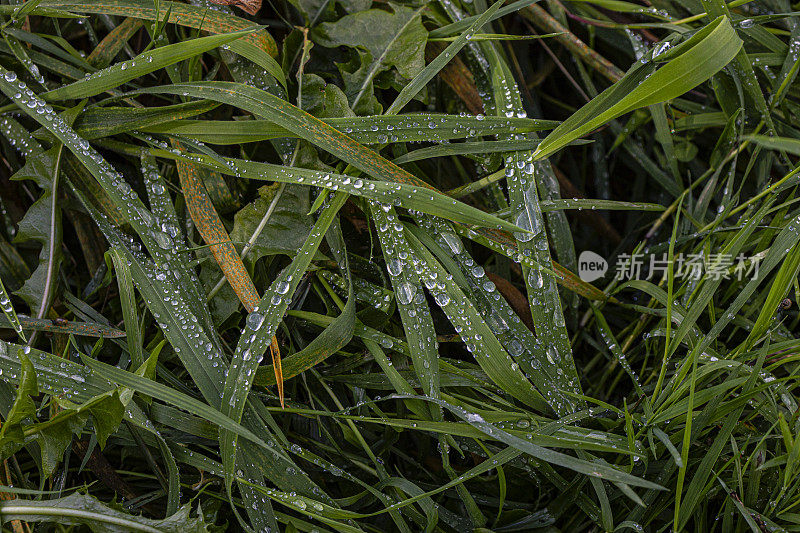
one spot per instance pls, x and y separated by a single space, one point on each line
365 266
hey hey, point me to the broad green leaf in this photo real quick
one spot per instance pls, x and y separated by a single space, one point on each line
84 510
393 39
287 225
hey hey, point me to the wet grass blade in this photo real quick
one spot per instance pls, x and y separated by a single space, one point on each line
184 14
99 122
10 313
687 65
129 311
260 328
366 130
113 43
412 197
320 133
125 71
69 327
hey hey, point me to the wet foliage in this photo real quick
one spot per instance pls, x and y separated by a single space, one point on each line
418 266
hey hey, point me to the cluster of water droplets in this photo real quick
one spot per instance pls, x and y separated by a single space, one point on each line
523 176
31 67
8 309
55 375
365 292
160 201
426 127
404 271
525 350
129 65
167 302
253 344
112 181
663 13
17 136
532 244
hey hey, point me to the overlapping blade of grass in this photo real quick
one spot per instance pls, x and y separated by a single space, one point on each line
164 212
176 316
158 240
742 66
71 380
597 204
527 351
366 130
210 226
21 54
687 65
525 179
52 45
207 221
338 331
129 311
705 339
568 437
171 396
145 63
465 148
70 327
473 330
399 194
784 241
194 347
595 469
431 69
777 143
332 140
298 122
260 327
402 265
259 47
100 122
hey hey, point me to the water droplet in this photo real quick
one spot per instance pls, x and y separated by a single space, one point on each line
254 320
405 293
282 287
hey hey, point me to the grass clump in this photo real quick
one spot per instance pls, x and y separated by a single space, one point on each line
418 266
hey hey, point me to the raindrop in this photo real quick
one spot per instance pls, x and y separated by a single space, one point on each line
395 267
526 222
254 320
442 298
282 287
405 293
